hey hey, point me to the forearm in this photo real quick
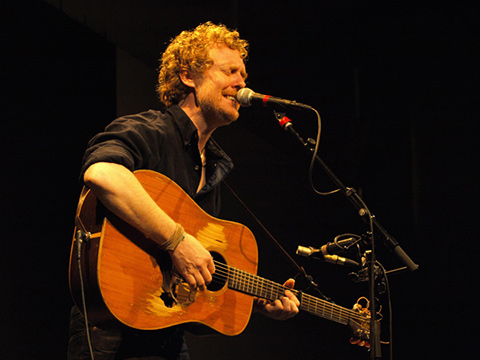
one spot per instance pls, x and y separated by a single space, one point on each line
119 190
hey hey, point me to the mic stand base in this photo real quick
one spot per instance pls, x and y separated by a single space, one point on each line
376 351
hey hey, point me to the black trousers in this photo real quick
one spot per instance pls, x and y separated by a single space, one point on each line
165 344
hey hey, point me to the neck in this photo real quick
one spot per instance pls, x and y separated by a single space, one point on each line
205 130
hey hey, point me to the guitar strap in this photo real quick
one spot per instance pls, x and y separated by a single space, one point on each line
279 247
300 270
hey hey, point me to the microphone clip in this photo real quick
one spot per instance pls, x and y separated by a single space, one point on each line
318 255
283 120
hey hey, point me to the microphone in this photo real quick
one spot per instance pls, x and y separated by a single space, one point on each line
318 254
338 246
247 97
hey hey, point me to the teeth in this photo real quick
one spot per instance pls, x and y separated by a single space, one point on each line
230 97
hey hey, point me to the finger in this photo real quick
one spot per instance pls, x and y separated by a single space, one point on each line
200 281
285 309
259 304
290 306
292 298
290 283
206 275
190 279
274 309
281 309
354 341
211 266
205 271
286 303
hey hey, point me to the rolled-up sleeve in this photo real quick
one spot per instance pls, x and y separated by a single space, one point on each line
126 141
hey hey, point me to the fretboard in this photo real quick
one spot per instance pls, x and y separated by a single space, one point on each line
254 285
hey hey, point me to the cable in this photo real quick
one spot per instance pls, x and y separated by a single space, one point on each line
314 157
390 315
79 236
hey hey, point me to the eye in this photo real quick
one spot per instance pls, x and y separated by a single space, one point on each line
227 71
230 71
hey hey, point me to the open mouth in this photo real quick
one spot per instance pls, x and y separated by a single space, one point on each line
231 98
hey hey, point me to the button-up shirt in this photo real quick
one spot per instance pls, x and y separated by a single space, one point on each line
167 143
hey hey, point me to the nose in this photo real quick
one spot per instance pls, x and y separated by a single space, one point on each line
240 81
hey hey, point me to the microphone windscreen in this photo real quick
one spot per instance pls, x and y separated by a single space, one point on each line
244 96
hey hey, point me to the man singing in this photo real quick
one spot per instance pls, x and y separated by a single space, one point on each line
200 73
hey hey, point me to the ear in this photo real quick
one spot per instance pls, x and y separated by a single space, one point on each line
187 78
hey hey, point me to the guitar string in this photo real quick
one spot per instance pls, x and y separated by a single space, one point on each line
263 287
329 311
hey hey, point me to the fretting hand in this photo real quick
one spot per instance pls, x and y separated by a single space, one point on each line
281 309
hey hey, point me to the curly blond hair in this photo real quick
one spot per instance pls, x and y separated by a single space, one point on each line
190 51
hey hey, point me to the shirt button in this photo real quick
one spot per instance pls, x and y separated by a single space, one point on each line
197 167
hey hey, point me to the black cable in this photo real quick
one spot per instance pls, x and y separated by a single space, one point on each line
79 240
300 270
390 315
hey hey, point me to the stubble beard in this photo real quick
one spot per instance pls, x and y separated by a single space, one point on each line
216 114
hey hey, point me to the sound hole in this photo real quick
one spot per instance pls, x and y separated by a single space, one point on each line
220 277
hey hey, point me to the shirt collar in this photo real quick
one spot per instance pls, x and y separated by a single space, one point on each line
189 133
187 128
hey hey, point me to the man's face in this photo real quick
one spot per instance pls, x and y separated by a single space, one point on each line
217 86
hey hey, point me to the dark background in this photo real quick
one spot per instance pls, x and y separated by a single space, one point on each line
396 84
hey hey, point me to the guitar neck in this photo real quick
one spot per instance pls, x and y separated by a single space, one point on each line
254 285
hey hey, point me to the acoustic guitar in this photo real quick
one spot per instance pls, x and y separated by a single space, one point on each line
128 280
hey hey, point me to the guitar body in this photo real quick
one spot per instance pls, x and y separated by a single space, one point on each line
128 280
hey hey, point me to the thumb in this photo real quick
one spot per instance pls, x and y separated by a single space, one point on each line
290 283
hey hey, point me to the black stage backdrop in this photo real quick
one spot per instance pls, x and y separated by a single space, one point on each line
396 85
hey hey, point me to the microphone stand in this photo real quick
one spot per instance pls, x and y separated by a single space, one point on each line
355 199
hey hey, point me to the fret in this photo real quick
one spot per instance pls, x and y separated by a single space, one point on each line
239 279
247 283
232 279
253 285
243 281
269 295
260 288
325 309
